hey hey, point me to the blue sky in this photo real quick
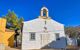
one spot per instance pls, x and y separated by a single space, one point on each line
63 11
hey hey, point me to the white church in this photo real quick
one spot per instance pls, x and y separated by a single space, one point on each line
43 32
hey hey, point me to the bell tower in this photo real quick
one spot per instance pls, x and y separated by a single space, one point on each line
44 13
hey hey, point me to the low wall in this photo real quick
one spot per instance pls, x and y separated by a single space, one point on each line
2 47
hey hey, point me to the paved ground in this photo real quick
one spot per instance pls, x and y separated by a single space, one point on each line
8 48
68 48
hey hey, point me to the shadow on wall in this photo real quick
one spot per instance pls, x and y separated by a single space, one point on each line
11 41
59 43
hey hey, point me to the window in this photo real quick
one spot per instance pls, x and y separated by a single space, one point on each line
32 36
57 36
44 12
45 22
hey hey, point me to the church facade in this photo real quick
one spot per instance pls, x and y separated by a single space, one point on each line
43 32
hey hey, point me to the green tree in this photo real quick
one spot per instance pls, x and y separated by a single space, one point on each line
13 22
71 31
20 21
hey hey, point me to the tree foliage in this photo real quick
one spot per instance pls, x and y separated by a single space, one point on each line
13 22
73 31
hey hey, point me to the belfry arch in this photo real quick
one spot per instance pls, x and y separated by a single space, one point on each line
44 12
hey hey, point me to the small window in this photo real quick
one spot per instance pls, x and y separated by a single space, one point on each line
44 12
32 36
57 36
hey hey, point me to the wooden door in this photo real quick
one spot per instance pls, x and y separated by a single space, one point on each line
45 39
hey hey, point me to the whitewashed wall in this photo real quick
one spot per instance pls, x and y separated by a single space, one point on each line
37 25
71 41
